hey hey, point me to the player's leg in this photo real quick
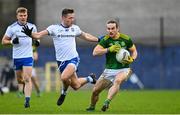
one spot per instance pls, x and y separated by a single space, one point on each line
18 71
35 81
100 85
21 83
65 85
77 83
27 74
119 78
36 85
65 81
69 73
1 90
65 76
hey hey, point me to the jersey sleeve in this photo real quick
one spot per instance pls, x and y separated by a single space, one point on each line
100 38
129 43
9 32
34 28
78 31
50 30
103 43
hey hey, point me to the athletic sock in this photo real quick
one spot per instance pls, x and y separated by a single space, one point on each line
89 79
27 99
63 91
107 101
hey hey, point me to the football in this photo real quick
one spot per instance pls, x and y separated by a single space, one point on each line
5 89
122 54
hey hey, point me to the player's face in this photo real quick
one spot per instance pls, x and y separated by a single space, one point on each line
68 20
22 17
112 30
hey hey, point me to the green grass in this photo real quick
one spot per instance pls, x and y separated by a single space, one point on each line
140 102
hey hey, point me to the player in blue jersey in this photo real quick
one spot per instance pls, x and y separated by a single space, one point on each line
67 57
22 52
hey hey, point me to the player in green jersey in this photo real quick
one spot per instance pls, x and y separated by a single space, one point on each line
34 78
115 72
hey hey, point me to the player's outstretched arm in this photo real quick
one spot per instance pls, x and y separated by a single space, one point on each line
89 37
37 35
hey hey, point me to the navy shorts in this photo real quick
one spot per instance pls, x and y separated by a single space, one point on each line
19 63
62 64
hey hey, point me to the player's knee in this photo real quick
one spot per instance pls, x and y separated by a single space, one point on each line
20 81
118 81
27 79
76 87
95 91
64 78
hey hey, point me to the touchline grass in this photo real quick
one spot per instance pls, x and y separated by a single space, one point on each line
125 102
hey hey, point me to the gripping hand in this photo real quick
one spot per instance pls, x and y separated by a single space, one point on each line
15 41
114 48
27 30
128 60
36 43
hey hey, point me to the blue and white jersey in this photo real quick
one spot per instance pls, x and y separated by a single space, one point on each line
24 48
64 41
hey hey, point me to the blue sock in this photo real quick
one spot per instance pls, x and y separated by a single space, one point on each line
27 99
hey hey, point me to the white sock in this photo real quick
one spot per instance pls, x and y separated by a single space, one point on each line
63 92
89 79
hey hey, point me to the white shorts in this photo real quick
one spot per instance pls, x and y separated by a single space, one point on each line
110 74
34 72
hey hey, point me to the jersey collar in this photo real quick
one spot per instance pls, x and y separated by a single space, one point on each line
21 23
64 25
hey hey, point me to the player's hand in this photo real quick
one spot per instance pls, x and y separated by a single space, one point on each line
27 30
114 48
36 43
15 41
129 60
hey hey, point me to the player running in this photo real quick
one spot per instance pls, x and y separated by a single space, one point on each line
22 52
67 57
115 72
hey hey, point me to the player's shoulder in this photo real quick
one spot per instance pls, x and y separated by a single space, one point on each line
13 25
55 26
125 36
75 26
30 24
104 37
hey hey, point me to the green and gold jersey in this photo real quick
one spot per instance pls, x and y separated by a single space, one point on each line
34 51
124 41
34 48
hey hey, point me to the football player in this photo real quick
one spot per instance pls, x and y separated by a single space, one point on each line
115 72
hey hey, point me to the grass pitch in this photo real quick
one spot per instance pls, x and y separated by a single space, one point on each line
131 102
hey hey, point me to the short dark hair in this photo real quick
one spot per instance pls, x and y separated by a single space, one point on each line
113 21
67 11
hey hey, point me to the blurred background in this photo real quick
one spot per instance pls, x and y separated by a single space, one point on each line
154 26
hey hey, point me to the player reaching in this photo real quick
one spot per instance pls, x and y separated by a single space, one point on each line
67 57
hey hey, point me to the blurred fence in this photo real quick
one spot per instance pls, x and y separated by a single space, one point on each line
156 70
153 24
142 19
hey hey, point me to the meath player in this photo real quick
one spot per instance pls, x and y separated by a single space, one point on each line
115 72
34 78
